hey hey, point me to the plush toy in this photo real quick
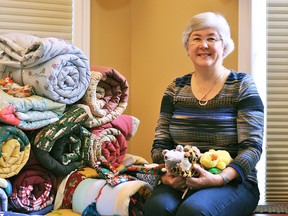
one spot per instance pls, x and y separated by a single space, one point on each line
184 168
172 157
180 161
215 160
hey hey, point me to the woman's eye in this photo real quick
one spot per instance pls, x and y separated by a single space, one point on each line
211 39
196 39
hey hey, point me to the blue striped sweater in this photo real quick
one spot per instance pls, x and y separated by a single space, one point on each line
233 120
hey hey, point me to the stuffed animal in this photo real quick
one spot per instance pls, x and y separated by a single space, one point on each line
215 160
185 168
172 157
179 161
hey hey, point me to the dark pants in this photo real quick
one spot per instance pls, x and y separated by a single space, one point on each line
232 199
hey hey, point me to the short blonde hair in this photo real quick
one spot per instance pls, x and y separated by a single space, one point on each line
210 20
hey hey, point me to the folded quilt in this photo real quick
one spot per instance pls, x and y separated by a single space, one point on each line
111 144
34 188
54 68
15 150
29 113
63 146
107 95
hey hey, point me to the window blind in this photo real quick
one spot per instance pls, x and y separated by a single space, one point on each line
42 18
277 101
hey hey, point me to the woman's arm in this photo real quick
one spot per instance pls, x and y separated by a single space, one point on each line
250 127
162 139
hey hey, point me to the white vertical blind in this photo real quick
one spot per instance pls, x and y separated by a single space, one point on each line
42 18
81 25
277 101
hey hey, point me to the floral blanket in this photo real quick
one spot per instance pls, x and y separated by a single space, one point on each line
54 68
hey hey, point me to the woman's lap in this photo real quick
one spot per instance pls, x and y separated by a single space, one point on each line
231 199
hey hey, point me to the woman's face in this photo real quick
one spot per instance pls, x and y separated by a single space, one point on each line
205 48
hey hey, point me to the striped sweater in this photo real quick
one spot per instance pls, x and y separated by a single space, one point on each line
233 120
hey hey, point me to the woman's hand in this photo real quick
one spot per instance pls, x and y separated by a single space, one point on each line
176 182
205 179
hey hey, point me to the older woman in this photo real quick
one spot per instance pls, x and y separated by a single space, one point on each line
210 108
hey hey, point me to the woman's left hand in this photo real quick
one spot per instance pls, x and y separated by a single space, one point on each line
204 180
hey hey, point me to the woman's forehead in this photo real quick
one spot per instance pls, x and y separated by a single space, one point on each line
205 32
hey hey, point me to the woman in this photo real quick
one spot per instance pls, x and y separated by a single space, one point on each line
210 108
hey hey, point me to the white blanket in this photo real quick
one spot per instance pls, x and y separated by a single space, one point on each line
111 201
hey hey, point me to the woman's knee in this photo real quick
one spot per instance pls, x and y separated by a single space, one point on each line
159 207
162 202
195 209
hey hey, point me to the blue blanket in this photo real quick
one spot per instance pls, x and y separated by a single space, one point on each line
54 68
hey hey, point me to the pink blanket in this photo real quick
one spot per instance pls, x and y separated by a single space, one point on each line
107 95
111 142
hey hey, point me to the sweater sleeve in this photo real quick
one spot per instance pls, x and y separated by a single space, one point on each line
250 128
162 139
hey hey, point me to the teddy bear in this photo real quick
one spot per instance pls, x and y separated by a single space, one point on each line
215 160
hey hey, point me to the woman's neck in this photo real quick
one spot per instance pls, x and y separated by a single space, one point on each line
207 74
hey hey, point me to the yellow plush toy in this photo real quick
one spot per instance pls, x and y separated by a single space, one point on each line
215 159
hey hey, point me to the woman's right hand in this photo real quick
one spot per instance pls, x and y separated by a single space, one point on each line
176 182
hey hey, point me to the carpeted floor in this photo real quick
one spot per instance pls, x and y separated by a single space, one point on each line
271 208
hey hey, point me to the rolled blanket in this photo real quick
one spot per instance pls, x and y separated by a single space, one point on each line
111 200
111 140
34 188
63 212
29 113
67 187
54 68
107 95
63 146
3 200
15 150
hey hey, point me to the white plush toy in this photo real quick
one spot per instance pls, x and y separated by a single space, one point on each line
172 157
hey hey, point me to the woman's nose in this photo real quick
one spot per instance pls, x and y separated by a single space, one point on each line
203 43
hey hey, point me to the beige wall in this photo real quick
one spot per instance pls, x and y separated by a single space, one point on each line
142 40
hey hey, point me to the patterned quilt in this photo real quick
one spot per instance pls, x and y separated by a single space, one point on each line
34 188
63 146
54 68
15 150
29 113
107 95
